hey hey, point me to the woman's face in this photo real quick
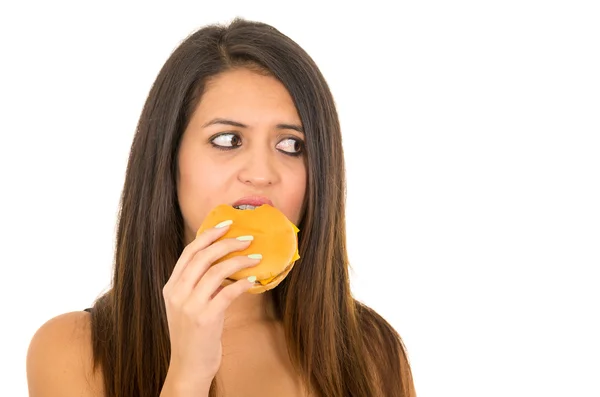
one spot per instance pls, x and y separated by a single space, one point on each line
242 140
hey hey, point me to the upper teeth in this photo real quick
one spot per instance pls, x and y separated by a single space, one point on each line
245 207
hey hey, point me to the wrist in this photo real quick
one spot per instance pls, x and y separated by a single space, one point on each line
178 386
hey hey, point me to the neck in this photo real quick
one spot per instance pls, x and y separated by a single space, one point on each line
249 309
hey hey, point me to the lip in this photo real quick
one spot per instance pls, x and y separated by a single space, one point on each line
253 200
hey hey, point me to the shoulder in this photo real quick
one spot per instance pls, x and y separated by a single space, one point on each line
60 360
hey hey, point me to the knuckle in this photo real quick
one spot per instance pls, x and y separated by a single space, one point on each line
187 250
169 302
215 270
194 246
168 298
228 293
230 244
183 278
206 235
223 269
172 300
167 289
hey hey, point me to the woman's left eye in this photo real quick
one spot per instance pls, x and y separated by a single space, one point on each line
291 146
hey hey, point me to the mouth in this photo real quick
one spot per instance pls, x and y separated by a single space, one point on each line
251 202
245 207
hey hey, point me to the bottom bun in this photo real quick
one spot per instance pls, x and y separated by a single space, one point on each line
259 288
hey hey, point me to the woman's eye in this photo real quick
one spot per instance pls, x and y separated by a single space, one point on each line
226 140
290 146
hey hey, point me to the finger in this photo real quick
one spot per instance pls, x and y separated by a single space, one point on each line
223 299
217 274
202 241
203 260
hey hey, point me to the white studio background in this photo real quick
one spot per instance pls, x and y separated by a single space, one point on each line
471 133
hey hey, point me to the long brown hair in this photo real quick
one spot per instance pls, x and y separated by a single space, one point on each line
339 346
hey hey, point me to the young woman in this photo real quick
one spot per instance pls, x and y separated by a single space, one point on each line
238 112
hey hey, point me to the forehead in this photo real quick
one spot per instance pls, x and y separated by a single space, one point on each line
246 95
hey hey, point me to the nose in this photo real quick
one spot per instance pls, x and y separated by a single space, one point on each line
259 169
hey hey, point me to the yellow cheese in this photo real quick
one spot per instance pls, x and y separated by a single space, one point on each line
266 281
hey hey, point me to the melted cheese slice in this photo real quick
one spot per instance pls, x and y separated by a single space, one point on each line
266 281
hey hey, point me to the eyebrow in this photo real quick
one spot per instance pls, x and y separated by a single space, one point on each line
281 126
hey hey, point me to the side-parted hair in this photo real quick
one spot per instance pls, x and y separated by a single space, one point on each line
339 346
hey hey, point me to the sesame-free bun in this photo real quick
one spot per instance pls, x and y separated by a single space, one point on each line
275 238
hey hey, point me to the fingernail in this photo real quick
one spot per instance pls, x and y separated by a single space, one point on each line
223 224
252 279
245 238
255 256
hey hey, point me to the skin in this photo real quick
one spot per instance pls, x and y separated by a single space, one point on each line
259 165
259 162
255 360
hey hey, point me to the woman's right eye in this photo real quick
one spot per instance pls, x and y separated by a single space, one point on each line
224 141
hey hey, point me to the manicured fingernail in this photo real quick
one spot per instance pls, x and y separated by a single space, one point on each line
223 224
245 238
252 279
255 256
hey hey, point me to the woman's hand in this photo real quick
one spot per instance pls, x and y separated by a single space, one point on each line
195 306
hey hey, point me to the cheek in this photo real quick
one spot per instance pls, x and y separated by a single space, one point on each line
196 190
294 198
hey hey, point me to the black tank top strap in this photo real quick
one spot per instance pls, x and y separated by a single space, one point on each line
89 310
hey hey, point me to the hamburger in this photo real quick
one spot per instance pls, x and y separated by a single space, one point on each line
275 238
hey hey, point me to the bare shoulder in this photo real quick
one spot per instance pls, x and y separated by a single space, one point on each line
59 358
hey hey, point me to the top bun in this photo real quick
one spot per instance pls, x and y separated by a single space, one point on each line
275 238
